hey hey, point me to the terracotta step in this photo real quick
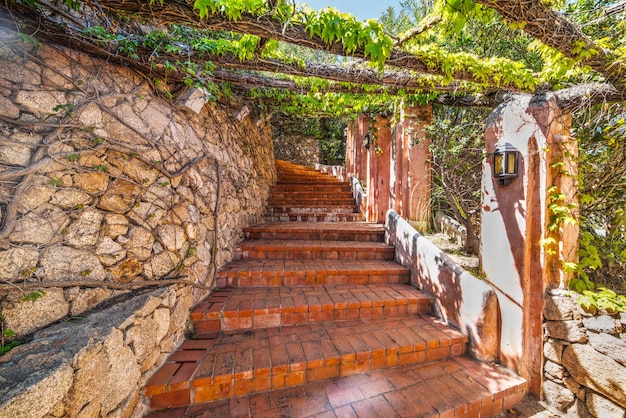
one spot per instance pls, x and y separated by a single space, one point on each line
311 209
330 250
313 217
246 308
313 194
456 387
311 201
336 231
263 273
238 364
317 186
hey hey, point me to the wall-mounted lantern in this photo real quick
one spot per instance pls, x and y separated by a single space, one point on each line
367 140
505 164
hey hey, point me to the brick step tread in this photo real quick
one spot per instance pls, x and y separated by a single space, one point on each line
336 231
322 185
309 179
318 190
312 249
313 202
239 363
347 194
312 217
321 208
456 387
262 273
245 308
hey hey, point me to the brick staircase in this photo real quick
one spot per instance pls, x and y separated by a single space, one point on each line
316 319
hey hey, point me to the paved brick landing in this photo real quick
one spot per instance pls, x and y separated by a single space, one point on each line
460 387
316 319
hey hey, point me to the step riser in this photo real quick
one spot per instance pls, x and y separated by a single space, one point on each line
298 210
311 202
315 188
310 279
229 386
307 254
316 235
233 321
311 194
312 218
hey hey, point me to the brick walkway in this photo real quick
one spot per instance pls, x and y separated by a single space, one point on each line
315 319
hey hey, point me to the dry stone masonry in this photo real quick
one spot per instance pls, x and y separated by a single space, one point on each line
584 359
105 180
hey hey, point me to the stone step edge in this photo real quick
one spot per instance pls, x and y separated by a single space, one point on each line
178 373
469 389
211 315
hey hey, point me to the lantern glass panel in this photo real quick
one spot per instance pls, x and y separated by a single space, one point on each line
510 162
498 164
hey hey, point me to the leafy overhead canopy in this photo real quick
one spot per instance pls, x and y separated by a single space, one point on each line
242 42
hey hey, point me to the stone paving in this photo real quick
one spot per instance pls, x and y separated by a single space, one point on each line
315 319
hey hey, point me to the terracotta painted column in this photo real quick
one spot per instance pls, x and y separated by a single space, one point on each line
417 189
381 152
360 165
515 221
350 149
396 170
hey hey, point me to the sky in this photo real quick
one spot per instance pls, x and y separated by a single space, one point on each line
362 9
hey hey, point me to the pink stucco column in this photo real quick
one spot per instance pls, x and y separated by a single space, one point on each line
417 186
515 220
350 149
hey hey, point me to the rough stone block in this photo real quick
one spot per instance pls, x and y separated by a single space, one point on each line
601 407
596 371
611 346
561 308
570 331
39 228
39 399
553 351
555 371
557 396
14 261
192 100
63 263
602 323
24 317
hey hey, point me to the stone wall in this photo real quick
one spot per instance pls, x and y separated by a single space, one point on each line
95 366
584 359
295 141
107 183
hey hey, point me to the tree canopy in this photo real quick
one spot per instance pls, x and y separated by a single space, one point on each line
339 64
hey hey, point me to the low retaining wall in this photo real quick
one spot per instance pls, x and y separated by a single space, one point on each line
336 171
451 228
96 365
584 359
460 299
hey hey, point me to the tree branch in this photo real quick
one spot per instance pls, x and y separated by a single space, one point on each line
554 30
99 284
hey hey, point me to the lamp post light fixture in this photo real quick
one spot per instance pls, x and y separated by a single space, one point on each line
505 164
367 140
